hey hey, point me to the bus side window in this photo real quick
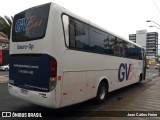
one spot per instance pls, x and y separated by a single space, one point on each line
116 47
78 35
71 33
82 35
66 28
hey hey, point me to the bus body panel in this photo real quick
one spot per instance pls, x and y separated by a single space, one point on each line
26 72
74 93
35 97
83 81
79 73
48 46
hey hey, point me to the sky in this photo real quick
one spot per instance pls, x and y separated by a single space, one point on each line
122 17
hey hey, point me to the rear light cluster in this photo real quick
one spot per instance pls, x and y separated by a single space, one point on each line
53 73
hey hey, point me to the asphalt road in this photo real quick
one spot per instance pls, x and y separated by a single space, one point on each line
4 72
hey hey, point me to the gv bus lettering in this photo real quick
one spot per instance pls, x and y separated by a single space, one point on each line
27 24
124 71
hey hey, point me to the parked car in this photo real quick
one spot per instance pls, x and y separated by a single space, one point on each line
156 66
147 66
4 67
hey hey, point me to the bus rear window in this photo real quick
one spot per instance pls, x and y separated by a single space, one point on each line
30 24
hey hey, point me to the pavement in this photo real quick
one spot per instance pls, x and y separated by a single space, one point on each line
4 78
142 104
147 98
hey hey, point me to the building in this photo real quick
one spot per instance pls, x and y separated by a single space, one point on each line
4 49
151 44
132 37
4 42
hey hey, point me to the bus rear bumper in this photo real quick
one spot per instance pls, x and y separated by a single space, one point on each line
46 99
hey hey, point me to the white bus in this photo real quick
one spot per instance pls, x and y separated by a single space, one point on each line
58 58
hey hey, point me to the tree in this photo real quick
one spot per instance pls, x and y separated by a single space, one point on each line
5 25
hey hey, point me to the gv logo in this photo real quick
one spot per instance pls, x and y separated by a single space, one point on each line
25 24
21 24
124 71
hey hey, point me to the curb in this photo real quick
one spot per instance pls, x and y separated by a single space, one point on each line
4 79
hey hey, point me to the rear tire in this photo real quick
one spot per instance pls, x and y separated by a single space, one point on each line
101 93
6 69
140 78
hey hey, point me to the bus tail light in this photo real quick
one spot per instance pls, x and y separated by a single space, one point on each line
53 73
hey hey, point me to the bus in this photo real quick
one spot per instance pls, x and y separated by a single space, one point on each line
59 59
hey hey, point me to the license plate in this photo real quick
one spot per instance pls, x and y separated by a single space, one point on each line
25 92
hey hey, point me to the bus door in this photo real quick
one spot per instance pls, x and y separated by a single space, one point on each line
144 64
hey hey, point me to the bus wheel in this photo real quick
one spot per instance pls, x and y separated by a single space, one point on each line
140 78
6 69
101 93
